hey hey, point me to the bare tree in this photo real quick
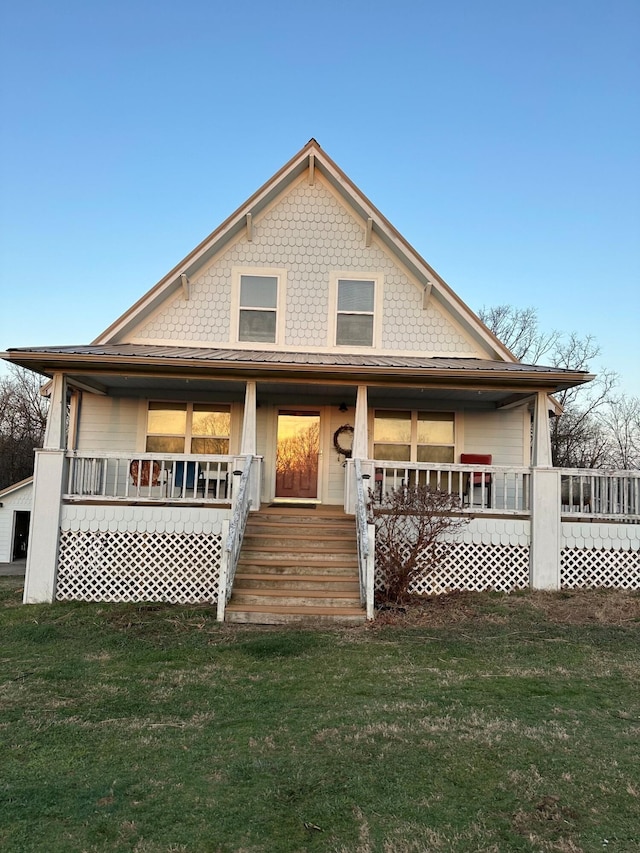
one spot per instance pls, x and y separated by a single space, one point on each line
410 522
519 331
23 418
581 437
621 424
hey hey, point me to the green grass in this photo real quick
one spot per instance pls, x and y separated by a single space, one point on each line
153 728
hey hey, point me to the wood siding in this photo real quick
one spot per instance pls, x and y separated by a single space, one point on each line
109 423
502 434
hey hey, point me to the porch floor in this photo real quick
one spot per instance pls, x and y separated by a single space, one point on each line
297 565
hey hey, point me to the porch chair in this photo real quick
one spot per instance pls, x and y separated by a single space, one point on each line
474 479
189 481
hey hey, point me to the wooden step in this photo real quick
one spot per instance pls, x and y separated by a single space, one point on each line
349 583
339 569
278 615
329 538
297 565
295 598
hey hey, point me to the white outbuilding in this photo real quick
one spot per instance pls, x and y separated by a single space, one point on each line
15 517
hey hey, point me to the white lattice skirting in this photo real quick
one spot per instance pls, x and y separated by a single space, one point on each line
491 554
123 553
588 569
600 555
180 568
460 566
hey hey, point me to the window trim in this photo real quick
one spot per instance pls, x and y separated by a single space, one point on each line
413 443
332 326
269 272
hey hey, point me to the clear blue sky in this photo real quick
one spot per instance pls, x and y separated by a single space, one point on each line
500 137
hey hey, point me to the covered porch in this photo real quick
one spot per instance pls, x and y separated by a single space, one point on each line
116 487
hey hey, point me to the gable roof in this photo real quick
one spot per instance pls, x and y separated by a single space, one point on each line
311 159
16 487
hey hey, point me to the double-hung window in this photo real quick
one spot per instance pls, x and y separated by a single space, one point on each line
202 428
412 436
258 305
258 308
355 312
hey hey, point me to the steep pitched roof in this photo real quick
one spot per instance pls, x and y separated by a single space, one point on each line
310 158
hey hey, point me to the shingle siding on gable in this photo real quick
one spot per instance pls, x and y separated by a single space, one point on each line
310 234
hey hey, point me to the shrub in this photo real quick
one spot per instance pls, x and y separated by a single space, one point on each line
410 522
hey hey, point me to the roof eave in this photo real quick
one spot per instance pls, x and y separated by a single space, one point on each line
49 363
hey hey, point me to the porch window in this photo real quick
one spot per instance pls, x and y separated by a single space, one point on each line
202 428
355 312
414 436
258 309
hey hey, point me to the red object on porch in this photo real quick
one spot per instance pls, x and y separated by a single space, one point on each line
146 472
476 476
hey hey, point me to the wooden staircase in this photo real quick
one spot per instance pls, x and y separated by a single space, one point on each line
297 565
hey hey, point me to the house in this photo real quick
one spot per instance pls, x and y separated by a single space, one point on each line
15 518
223 433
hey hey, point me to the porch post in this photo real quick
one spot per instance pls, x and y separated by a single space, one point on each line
544 560
249 443
44 535
359 449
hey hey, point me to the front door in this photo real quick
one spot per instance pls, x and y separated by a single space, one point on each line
298 448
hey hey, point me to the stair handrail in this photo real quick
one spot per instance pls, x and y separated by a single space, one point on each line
365 536
235 535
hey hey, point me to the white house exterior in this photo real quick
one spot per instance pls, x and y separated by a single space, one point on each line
15 516
303 326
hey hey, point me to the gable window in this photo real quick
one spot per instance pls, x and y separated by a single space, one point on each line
202 428
414 436
355 312
258 308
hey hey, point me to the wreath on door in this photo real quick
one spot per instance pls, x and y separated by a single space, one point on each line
344 445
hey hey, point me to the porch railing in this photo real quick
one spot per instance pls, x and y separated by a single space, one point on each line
589 492
480 488
149 477
235 535
365 534
586 492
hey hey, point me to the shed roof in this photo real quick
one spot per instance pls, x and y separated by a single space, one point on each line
147 359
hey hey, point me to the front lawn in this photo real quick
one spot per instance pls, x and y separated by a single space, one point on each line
475 723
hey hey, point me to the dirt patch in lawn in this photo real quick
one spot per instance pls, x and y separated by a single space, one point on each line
568 607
